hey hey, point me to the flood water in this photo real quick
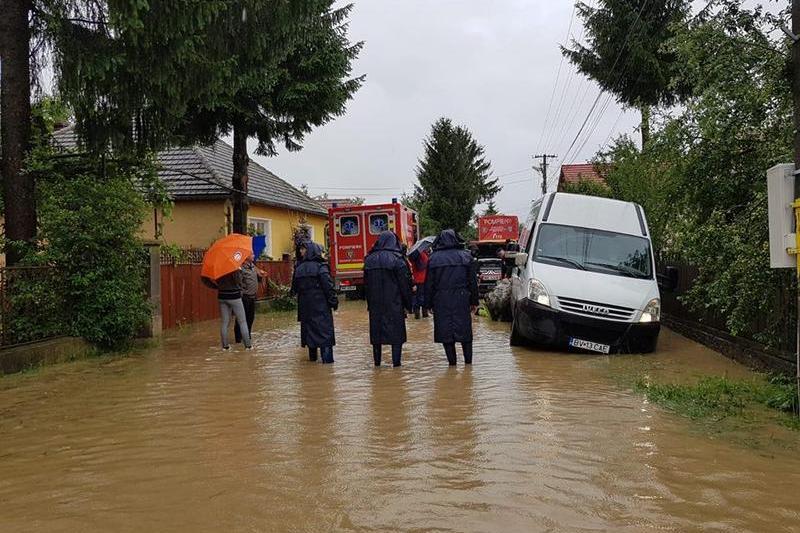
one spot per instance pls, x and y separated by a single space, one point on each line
186 437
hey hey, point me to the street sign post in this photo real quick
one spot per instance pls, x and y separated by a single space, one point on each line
784 231
782 237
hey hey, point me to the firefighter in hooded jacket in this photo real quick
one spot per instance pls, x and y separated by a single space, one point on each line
388 289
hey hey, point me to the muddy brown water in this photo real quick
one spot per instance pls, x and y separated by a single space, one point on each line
185 437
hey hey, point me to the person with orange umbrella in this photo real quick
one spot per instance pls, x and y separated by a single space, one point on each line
221 270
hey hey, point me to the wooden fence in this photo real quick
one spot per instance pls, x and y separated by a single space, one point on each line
778 323
32 305
185 299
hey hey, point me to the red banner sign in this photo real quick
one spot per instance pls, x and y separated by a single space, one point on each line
498 228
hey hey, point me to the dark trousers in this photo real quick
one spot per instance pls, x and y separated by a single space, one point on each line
250 314
325 351
397 354
450 352
419 296
419 301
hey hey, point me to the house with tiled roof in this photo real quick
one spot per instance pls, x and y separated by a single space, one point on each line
198 180
573 174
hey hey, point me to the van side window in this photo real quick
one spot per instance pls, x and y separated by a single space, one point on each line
532 218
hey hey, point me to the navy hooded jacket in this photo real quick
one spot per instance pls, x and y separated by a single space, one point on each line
451 287
316 298
388 290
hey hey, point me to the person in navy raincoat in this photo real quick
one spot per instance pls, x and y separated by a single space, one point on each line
388 289
316 299
451 291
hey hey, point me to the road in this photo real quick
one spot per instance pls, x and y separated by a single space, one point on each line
185 437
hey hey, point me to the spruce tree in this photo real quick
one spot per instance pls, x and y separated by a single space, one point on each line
122 66
292 73
453 176
626 54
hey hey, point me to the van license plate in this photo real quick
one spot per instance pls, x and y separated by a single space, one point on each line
589 345
347 288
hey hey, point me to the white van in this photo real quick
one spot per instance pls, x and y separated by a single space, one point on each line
585 279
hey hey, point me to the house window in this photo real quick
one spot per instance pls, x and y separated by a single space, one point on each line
378 224
348 226
262 226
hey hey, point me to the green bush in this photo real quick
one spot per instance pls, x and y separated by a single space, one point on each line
282 298
90 213
589 188
34 305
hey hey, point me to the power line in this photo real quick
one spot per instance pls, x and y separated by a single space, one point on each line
560 127
613 128
567 85
613 67
604 107
558 76
354 188
593 127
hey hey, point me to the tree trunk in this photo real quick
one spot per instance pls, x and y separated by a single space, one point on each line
15 126
645 109
240 178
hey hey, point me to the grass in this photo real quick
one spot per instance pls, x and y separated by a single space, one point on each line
717 398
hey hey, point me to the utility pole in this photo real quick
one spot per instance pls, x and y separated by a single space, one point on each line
796 98
545 157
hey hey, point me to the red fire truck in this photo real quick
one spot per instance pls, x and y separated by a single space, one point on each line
354 229
493 232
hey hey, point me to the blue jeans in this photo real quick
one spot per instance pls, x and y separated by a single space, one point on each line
235 308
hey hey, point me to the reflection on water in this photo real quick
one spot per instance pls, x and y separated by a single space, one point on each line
188 438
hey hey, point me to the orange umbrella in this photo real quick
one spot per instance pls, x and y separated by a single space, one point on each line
226 256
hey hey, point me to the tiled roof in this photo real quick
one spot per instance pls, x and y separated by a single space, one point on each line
204 172
340 202
576 173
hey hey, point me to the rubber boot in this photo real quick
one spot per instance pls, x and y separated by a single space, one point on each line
312 354
397 354
467 347
327 355
450 352
425 313
416 313
376 354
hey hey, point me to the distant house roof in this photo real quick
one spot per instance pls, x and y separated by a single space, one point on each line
327 203
583 172
204 173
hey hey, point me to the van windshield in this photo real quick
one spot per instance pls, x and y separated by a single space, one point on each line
595 250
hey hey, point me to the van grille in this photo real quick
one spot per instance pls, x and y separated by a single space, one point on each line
595 309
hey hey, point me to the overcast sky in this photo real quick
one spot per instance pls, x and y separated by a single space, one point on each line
491 66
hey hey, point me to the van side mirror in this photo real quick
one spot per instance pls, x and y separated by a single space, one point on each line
521 260
669 280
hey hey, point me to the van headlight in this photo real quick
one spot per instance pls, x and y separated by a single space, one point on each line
652 311
538 293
